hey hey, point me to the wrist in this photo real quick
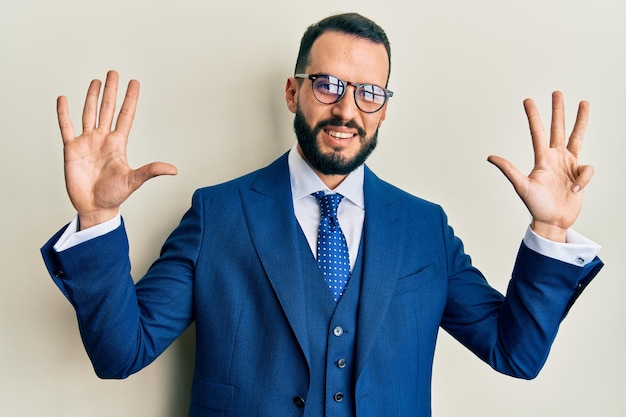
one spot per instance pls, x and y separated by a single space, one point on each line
85 221
549 231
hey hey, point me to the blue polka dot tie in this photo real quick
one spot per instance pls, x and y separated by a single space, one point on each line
332 249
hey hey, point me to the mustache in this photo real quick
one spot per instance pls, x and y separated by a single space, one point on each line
340 123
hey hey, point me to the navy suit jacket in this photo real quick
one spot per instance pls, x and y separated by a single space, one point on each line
231 267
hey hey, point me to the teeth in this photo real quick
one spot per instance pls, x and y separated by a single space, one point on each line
340 135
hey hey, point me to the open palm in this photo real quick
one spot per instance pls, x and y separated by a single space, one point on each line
552 190
97 175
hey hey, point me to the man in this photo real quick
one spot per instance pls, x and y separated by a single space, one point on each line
286 326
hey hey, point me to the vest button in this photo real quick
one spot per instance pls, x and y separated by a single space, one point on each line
338 331
299 401
341 363
338 397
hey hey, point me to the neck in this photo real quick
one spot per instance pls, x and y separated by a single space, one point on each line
332 181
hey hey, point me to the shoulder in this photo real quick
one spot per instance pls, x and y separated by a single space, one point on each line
391 194
261 179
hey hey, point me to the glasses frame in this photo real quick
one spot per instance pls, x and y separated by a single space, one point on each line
357 88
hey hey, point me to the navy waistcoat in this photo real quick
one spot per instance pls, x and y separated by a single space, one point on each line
332 337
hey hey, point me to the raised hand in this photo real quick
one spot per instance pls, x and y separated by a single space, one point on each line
97 175
552 191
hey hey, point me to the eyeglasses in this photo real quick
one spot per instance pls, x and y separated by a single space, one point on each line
328 89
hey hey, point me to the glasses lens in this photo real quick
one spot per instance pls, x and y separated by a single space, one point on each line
370 98
328 89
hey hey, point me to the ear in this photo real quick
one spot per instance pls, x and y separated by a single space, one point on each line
291 94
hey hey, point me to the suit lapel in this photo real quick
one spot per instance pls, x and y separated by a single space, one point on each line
380 267
268 209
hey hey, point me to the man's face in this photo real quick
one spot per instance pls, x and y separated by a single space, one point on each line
336 138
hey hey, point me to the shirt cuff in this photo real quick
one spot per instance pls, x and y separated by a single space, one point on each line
578 250
72 236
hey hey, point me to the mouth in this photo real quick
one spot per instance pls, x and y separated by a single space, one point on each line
339 135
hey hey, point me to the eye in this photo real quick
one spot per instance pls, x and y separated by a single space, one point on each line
372 93
329 85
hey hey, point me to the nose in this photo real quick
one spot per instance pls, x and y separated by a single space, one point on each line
346 108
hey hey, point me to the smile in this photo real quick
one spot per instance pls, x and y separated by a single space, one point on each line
340 135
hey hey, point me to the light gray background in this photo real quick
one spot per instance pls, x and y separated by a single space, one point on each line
212 103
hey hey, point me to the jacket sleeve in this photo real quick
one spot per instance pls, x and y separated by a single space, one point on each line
513 334
124 326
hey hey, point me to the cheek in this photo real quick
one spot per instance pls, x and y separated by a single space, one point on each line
371 124
313 114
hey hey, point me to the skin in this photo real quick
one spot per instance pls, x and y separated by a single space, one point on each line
97 175
99 178
343 56
552 191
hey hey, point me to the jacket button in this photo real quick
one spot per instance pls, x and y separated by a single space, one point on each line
338 397
299 401
341 363
338 331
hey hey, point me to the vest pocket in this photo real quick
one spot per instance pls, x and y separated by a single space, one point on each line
212 396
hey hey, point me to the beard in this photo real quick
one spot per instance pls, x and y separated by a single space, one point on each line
333 163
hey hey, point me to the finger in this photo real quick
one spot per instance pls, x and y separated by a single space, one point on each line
109 97
90 109
557 127
575 143
537 134
515 176
585 172
65 122
129 106
148 171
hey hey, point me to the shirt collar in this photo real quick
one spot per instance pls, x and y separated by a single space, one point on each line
304 181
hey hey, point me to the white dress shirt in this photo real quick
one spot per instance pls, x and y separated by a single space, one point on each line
351 211
304 181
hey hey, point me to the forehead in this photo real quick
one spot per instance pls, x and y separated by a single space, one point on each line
349 57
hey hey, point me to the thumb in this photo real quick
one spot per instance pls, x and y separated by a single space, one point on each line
585 172
148 171
515 177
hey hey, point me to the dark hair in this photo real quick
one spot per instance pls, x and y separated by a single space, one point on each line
348 23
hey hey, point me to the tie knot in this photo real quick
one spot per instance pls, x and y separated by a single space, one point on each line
328 203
